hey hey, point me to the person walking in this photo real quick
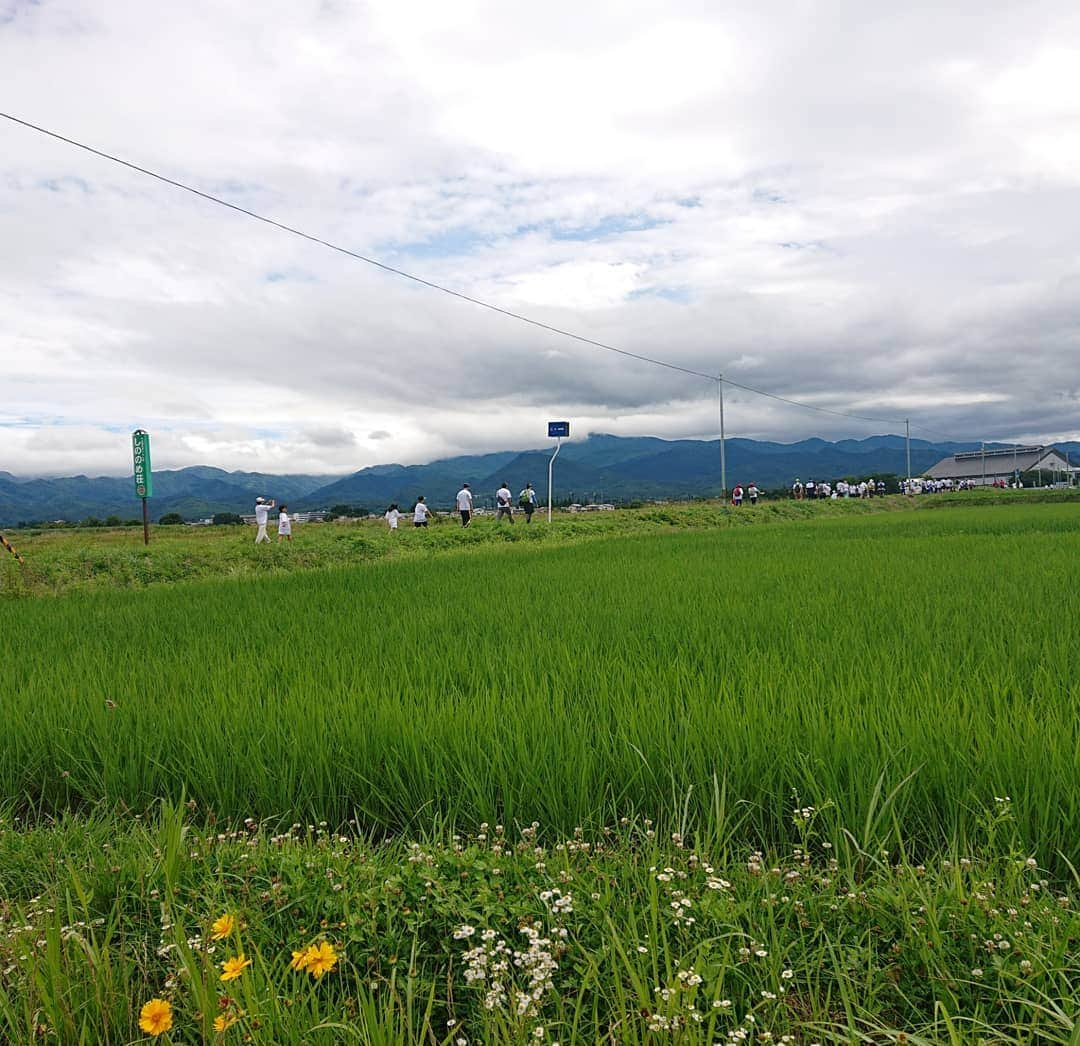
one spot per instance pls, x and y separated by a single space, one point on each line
502 503
752 493
392 516
527 501
262 514
420 513
464 504
284 524
797 489
737 495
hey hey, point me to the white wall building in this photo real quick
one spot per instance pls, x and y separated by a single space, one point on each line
989 466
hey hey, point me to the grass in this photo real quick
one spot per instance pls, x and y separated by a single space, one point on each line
334 746
615 936
62 561
572 684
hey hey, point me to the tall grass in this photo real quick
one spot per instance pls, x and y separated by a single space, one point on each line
905 667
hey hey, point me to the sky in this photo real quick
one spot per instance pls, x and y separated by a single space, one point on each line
869 207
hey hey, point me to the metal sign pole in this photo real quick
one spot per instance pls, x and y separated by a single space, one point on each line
551 467
556 430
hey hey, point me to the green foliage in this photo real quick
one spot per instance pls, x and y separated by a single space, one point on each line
226 519
171 519
816 657
619 935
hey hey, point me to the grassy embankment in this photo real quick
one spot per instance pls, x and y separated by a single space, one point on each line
59 561
896 672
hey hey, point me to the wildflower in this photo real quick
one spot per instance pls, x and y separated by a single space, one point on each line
976 972
321 958
300 959
222 927
155 1018
232 968
224 1021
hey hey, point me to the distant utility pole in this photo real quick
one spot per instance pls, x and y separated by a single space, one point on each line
723 449
907 446
984 462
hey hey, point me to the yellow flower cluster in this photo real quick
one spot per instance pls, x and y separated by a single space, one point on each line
156 1016
317 959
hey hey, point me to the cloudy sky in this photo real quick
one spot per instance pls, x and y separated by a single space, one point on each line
872 207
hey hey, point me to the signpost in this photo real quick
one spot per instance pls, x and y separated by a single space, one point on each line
144 479
557 430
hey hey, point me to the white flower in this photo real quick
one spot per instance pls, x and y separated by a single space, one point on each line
464 931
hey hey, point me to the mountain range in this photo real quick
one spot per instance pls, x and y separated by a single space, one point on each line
601 467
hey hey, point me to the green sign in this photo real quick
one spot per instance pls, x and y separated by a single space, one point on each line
140 446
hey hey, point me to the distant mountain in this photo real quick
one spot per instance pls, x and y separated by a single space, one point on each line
602 466
193 492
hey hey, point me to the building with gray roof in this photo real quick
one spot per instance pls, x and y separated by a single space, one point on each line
1001 463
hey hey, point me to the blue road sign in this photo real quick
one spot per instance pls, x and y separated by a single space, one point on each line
558 428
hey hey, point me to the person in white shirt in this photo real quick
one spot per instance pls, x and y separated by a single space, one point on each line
284 524
752 492
262 513
392 516
420 513
527 500
464 504
502 503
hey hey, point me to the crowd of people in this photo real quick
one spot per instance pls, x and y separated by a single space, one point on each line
865 488
422 513
504 506
527 502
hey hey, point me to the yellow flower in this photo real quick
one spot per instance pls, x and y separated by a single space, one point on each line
301 959
321 958
224 1021
155 1018
232 968
221 928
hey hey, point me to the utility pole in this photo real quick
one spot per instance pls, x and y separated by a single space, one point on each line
984 462
907 446
723 449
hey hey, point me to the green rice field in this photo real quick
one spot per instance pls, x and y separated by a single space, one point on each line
869 716
575 684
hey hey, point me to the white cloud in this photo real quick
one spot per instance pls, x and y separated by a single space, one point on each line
871 208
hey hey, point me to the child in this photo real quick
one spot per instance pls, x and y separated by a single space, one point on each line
392 515
420 513
284 524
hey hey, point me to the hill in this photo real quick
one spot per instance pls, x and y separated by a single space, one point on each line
601 467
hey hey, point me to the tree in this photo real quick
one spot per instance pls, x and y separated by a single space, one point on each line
171 519
114 521
347 510
226 519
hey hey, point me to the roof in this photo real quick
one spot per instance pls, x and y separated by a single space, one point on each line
997 462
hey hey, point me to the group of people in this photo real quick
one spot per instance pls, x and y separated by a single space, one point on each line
752 492
504 507
866 488
263 508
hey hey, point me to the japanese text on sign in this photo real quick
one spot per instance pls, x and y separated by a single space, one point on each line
140 447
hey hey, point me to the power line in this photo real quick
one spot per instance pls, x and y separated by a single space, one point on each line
353 254
292 230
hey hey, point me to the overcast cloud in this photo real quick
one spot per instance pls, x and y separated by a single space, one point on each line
869 206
